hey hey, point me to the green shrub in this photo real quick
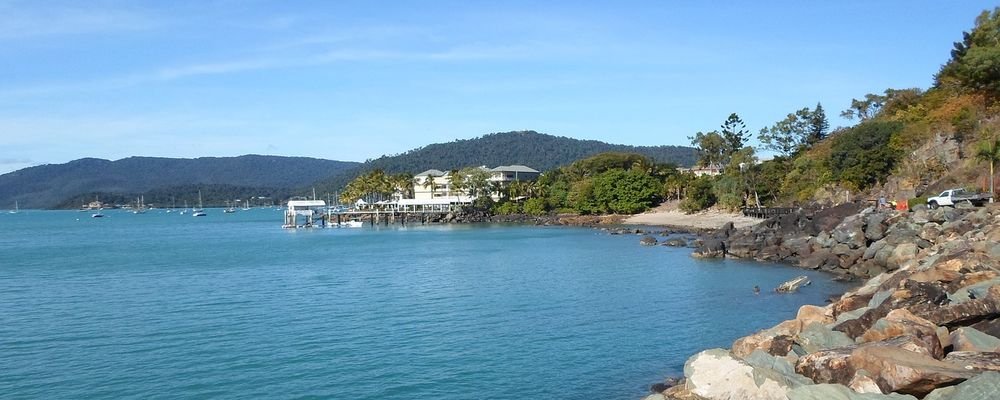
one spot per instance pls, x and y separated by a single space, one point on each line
508 208
534 206
699 195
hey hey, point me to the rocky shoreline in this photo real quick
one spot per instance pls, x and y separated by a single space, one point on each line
926 323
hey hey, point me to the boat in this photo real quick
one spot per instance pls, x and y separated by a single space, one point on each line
246 206
16 209
140 205
230 209
198 212
97 214
352 224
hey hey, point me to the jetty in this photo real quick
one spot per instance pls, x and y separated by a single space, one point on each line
316 214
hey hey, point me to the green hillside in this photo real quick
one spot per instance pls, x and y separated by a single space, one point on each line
539 151
47 186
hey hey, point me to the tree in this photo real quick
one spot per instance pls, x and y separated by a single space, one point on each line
457 181
700 195
429 182
965 123
789 135
818 125
990 152
711 148
735 132
861 156
864 109
625 192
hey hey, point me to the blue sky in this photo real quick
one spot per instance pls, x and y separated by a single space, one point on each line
352 80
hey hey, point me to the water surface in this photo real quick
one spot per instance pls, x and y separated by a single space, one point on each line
231 306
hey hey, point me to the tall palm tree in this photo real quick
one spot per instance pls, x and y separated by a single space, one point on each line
990 152
457 182
429 181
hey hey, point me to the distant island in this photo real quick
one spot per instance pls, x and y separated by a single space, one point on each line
169 181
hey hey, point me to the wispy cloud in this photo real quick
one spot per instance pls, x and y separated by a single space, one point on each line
32 19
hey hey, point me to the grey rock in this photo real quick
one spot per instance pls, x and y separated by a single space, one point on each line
970 339
980 387
817 337
829 391
648 241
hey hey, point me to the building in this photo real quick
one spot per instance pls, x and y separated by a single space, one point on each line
513 173
711 170
436 184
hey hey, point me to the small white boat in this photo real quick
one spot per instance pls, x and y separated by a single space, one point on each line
16 209
97 215
352 224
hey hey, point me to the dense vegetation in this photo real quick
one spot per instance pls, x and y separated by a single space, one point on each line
906 141
536 150
48 186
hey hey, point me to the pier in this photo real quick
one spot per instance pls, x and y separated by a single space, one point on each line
766 212
317 215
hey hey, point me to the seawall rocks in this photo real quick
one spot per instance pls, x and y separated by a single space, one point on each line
924 325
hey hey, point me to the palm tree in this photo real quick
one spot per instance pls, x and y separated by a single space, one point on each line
429 181
990 152
457 181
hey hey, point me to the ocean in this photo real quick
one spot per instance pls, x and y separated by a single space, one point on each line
163 305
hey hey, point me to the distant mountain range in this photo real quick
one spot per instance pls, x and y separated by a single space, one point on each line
166 181
49 186
539 151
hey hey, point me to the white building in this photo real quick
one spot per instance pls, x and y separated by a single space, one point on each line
436 184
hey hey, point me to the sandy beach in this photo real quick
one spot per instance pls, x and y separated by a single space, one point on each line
669 215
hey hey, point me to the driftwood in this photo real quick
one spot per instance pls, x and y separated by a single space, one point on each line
793 285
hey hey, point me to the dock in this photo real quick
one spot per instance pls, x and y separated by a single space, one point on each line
317 215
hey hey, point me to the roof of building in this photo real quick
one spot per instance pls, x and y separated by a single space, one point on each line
514 168
433 172
306 203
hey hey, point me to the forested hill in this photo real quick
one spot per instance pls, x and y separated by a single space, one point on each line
47 186
539 151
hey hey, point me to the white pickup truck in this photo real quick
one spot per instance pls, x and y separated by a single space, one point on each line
951 197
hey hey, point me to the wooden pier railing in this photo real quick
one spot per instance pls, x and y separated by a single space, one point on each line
766 212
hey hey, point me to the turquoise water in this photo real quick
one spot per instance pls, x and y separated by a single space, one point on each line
232 306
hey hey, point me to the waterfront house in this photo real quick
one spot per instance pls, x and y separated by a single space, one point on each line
436 184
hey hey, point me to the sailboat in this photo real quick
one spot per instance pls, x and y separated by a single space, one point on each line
246 205
230 209
140 205
16 209
198 212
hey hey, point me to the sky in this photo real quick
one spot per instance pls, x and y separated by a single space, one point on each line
353 80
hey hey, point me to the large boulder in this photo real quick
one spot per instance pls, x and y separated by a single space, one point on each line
839 392
851 232
648 241
901 322
827 366
968 312
901 254
903 365
919 297
817 337
974 361
979 387
970 339
710 248
874 226
775 341
716 375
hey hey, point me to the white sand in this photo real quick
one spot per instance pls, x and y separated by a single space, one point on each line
668 215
